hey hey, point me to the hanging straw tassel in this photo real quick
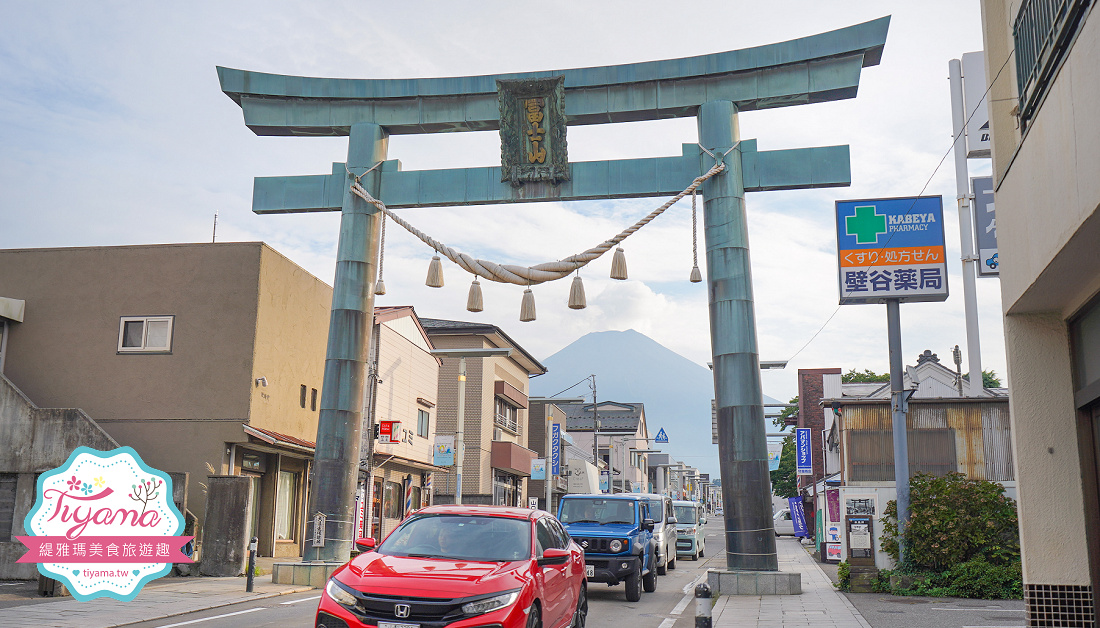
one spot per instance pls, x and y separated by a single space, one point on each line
527 307
435 273
618 264
380 287
696 276
576 295
474 302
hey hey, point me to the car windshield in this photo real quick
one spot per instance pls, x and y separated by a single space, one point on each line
685 514
463 537
595 510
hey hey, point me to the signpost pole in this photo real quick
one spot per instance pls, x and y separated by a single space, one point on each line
460 443
966 233
899 407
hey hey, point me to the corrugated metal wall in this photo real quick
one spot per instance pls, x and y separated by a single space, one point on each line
971 438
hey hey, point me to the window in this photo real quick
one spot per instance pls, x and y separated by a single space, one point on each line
313 399
507 416
302 396
414 499
145 334
391 501
544 536
7 505
1043 33
422 423
285 502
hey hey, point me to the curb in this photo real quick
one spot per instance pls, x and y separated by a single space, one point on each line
261 596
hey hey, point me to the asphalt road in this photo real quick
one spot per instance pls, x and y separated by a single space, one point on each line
671 605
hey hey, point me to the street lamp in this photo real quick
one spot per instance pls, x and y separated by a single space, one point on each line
460 445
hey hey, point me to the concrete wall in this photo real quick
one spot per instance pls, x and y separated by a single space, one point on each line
291 336
36 440
65 353
1047 194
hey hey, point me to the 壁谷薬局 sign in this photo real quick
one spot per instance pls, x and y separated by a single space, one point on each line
891 248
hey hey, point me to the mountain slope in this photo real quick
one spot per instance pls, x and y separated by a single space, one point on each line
631 367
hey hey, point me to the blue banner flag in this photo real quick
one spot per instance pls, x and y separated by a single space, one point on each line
555 449
804 459
798 516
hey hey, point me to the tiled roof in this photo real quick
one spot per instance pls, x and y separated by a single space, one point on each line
275 438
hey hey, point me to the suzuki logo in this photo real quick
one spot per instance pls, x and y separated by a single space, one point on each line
584 544
401 610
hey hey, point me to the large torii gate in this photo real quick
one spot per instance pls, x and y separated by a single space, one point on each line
714 88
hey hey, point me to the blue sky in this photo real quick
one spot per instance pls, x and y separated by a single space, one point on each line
113 131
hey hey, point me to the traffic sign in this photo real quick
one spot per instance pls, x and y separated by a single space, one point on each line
891 248
661 437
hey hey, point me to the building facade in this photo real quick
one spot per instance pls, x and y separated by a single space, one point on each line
1045 139
621 438
207 359
497 459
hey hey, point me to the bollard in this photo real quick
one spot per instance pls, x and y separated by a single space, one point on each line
702 606
252 565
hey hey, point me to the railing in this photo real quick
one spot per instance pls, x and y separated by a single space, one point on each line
508 423
1041 34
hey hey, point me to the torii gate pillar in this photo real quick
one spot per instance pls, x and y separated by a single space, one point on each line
742 443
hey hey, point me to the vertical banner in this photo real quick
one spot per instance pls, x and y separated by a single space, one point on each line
444 454
555 449
832 501
977 107
538 469
804 458
798 516
985 227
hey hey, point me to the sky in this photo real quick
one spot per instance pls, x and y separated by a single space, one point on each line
113 131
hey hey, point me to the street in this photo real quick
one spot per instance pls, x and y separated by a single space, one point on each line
670 606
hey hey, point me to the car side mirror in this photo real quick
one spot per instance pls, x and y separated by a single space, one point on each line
647 524
365 545
673 520
554 556
705 519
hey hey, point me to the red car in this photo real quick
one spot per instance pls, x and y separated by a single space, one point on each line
462 567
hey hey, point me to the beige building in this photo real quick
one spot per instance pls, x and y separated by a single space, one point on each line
403 392
1046 160
205 358
498 460
622 440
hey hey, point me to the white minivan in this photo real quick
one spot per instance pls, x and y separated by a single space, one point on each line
784 525
690 519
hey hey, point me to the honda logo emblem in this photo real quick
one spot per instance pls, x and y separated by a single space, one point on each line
401 611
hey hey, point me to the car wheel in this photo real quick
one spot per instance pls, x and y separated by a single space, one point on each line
534 618
695 556
581 614
671 562
700 551
634 584
649 581
661 569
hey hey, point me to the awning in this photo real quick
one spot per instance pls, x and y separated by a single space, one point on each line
380 460
280 440
12 309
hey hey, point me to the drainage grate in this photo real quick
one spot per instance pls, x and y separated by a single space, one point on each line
1059 605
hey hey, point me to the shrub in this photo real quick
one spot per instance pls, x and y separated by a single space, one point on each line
844 576
952 520
976 578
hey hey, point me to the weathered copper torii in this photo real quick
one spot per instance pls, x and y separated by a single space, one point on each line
714 88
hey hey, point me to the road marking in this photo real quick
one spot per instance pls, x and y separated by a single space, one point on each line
668 623
195 621
985 608
305 599
679 608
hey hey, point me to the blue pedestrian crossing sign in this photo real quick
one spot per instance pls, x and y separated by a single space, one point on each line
661 437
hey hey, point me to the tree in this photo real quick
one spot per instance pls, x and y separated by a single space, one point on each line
867 376
784 479
792 410
989 379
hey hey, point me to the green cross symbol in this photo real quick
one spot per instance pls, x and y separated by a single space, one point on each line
865 225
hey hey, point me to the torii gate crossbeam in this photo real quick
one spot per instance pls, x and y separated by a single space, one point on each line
714 88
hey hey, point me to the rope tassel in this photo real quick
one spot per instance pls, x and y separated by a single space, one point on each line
527 307
435 273
618 264
696 275
474 302
576 294
380 287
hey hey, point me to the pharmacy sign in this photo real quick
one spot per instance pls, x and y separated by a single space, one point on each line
891 248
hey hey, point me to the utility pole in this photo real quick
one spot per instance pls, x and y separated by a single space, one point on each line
595 435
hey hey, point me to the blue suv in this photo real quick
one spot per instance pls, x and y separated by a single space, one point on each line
616 534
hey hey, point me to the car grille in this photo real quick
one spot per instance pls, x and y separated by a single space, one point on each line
428 612
598 545
324 620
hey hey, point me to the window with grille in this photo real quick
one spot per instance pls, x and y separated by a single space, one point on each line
507 416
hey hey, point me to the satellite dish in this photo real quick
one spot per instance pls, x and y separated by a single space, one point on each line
914 378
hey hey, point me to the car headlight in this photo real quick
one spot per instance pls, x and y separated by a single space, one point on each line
339 594
496 602
616 546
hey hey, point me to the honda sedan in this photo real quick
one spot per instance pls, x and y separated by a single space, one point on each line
462 566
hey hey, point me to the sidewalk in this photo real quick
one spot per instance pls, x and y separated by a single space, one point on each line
819 606
159 599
